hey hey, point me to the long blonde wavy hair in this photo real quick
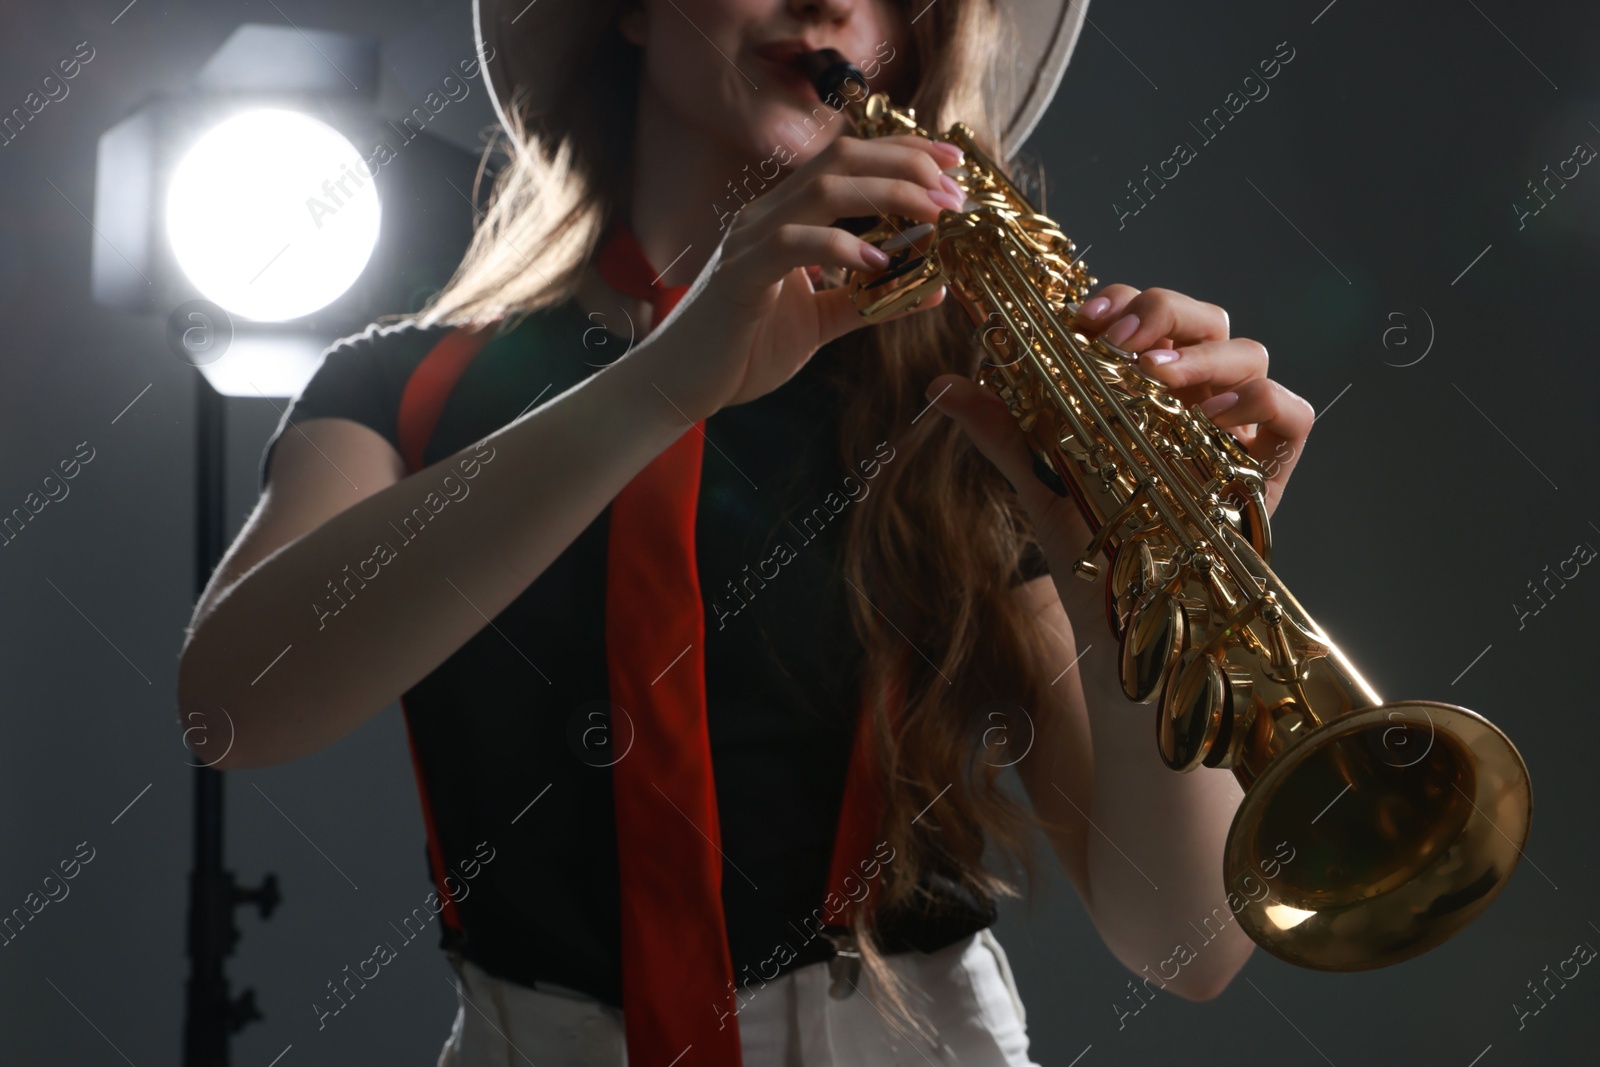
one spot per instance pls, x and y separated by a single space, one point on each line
934 548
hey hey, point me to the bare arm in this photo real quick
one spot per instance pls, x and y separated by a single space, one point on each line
292 680
293 677
1142 844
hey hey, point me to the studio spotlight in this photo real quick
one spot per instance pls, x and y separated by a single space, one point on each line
272 215
244 208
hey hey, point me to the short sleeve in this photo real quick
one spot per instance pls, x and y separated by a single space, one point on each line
1032 564
361 378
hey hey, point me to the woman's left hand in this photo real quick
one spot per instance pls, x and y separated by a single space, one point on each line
1181 342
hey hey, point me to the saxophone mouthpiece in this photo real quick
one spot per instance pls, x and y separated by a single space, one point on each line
832 74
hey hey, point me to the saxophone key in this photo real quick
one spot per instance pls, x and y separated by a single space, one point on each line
1157 633
1203 697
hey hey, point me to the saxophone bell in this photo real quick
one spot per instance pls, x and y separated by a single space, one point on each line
1369 832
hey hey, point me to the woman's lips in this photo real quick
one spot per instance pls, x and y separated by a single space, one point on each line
791 77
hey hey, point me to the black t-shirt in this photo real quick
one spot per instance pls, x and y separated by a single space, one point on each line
502 731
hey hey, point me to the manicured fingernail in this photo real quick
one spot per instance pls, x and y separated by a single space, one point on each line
950 186
875 255
1122 329
1095 308
946 199
1218 404
1158 356
950 152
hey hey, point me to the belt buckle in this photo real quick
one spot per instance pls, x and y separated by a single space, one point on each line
844 967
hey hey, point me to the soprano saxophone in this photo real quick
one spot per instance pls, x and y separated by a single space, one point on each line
1402 820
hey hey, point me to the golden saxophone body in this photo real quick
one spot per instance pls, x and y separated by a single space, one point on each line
1403 820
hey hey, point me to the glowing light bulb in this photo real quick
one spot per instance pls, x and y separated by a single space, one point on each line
272 215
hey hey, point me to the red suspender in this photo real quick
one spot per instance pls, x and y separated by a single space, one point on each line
861 812
660 1006
430 386
449 914
425 393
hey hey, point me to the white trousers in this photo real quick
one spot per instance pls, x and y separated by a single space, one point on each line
967 992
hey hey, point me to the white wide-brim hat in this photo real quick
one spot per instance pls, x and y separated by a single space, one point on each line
530 46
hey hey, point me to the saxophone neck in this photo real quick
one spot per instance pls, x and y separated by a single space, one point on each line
843 87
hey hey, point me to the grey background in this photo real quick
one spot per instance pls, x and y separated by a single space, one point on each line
1386 158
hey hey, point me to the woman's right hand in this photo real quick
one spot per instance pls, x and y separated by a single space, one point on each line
754 318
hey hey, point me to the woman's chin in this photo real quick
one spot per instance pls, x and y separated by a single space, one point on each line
800 132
